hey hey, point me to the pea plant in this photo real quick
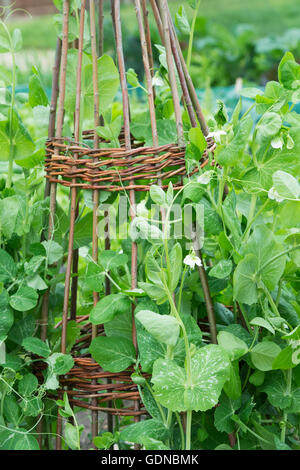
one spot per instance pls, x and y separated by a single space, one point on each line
243 392
237 387
28 263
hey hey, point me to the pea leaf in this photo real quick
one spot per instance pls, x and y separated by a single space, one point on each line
12 212
71 436
8 268
286 185
28 384
268 126
258 321
10 440
6 315
197 138
150 428
132 78
94 277
32 406
164 328
22 143
260 178
24 299
234 346
233 386
114 354
224 412
36 346
181 21
149 348
263 355
110 259
289 72
209 372
108 307
157 195
37 94
176 263
108 83
231 154
121 325
104 441
222 269
275 388
245 289
258 265
288 358
54 251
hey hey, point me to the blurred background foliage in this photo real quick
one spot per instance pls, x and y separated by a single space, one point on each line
233 38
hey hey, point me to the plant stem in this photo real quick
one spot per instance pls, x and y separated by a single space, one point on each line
157 402
12 103
278 293
188 429
191 39
181 287
221 190
254 218
181 429
250 215
245 317
288 392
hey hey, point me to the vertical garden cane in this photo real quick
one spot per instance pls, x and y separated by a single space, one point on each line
73 202
165 28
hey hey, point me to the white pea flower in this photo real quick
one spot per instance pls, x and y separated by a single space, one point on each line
216 135
205 177
273 194
277 143
157 81
192 260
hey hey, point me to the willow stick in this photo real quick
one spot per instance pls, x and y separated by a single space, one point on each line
96 145
100 26
59 129
185 91
190 85
147 73
190 105
51 132
72 261
148 36
150 88
73 189
55 89
171 71
126 118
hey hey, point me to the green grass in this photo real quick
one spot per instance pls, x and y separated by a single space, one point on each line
37 32
268 16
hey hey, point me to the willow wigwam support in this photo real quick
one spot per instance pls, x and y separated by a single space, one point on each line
82 163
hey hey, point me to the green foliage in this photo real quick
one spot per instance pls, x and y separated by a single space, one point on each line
250 255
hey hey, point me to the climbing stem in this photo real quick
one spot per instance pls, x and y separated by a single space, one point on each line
191 39
288 392
188 429
180 429
11 108
250 215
